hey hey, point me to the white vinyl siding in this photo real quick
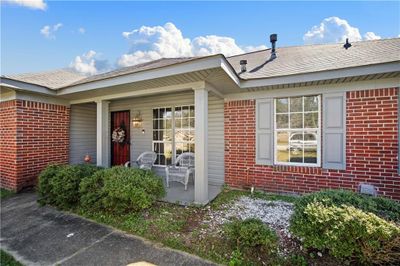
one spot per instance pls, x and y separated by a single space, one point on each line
82 133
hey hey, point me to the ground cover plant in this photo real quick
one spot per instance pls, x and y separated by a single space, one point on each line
8 260
4 193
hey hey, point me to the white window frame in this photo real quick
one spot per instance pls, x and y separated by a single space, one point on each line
173 142
319 136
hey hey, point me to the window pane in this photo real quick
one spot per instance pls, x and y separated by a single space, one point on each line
178 123
155 124
191 123
296 104
191 147
282 121
282 105
185 111
168 135
296 147
296 120
155 147
310 147
178 112
178 148
168 150
191 111
311 103
155 113
283 146
168 113
168 124
185 122
155 135
311 120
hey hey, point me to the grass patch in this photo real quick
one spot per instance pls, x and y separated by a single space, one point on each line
8 260
4 193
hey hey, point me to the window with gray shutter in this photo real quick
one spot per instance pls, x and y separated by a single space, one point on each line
264 131
334 131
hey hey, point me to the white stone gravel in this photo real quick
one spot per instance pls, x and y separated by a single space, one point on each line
276 214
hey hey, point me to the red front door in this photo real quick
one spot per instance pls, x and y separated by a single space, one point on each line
120 137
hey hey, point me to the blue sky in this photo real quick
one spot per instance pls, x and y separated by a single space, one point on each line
88 36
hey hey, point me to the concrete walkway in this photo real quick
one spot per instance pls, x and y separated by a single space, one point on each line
44 236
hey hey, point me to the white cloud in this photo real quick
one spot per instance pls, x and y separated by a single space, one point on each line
89 63
371 36
33 4
334 30
81 30
49 31
151 43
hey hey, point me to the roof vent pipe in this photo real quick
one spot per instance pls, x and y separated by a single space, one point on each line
273 38
347 45
243 64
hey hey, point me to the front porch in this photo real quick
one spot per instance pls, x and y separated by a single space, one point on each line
203 134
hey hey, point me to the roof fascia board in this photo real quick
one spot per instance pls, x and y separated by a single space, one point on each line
186 67
144 92
315 89
323 75
24 86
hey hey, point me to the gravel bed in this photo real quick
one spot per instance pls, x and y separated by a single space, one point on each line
276 214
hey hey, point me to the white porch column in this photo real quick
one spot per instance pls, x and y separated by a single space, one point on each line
103 149
201 145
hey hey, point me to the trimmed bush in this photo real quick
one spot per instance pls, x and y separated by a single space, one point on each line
252 233
383 207
349 234
59 185
120 189
44 186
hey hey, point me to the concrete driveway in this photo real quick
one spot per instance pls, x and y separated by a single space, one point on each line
37 235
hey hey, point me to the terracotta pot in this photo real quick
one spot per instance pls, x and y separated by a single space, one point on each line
88 158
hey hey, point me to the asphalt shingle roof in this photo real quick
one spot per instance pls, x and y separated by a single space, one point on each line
290 61
315 58
54 79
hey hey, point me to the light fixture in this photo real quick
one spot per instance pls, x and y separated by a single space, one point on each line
137 120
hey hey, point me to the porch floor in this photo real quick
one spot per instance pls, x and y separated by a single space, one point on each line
176 193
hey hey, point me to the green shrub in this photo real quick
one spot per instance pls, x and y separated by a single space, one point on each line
120 189
383 207
349 234
44 186
252 233
59 185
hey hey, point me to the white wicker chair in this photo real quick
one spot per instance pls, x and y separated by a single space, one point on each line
182 170
145 161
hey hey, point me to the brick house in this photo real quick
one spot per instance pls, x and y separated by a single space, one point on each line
288 120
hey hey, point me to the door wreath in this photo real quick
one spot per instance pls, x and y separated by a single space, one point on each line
118 135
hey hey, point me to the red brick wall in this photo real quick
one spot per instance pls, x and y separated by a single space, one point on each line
8 144
38 134
371 149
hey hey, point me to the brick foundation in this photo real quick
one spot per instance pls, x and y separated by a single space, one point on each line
32 135
371 149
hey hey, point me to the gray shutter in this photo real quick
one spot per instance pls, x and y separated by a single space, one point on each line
264 131
334 131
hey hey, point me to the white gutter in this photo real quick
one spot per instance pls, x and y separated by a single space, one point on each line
24 86
322 75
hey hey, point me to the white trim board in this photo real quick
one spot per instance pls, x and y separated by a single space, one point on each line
316 89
